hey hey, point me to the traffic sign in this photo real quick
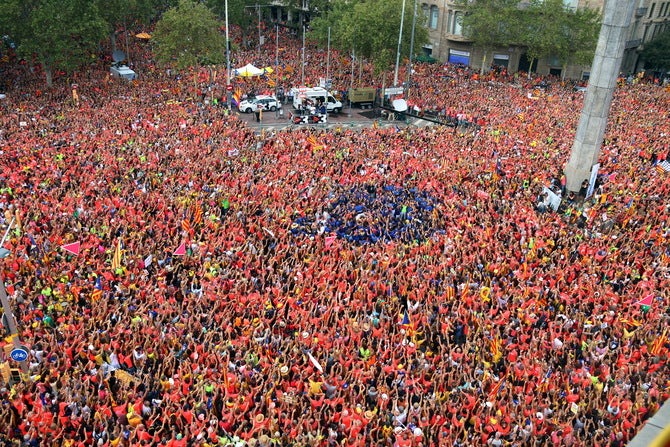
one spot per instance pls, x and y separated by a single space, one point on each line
229 87
19 354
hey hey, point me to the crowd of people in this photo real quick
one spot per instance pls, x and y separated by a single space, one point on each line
386 286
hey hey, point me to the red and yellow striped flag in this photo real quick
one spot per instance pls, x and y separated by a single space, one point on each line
496 389
116 259
186 226
659 343
197 214
496 348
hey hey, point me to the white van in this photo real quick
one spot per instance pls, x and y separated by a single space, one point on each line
315 95
122 71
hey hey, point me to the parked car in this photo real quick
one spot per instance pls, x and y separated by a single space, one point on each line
265 102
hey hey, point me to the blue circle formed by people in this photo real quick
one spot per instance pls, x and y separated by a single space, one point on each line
19 354
369 214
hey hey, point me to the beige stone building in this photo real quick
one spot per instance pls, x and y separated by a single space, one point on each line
448 44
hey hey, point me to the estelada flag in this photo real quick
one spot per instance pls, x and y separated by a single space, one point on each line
97 290
405 319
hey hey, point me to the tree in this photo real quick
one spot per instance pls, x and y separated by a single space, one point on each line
549 28
656 53
578 37
58 34
121 13
370 27
239 13
538 25
188 35
489 23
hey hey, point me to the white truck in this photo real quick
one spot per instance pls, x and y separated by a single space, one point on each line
122 71
313 97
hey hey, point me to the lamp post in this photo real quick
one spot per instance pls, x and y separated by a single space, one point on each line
258 8
411 53
328 58
302 67
229 94
397 55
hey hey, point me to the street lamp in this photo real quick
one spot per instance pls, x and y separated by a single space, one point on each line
229 93
397 55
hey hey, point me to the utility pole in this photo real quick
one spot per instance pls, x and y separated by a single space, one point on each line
229 93
328 58
258 7
259 29
302 71
397 55
411 53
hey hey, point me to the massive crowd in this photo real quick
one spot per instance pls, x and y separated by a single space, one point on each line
216 298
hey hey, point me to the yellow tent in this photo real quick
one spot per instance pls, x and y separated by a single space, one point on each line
143 36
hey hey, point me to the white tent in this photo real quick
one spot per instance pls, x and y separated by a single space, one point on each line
248 71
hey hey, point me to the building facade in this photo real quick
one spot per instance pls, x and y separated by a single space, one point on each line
448 43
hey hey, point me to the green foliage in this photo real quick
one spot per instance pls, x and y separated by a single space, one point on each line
490 23
549 29
370 27
240 12
59 34
126 12
188 36
546 28
578 36
656 53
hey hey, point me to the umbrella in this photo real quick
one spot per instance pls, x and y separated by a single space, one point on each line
143 36
268 70
248 71
399 105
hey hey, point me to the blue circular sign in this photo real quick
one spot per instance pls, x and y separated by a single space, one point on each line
19 354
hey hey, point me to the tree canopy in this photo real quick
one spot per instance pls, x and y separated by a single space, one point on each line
58 34
189 35
490 23
656 53
545 28
370 28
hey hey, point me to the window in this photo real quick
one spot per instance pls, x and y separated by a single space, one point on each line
571 4
457 28
434 14
651 10
426 11
459 57
501 60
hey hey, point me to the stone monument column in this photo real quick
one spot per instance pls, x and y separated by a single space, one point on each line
617 15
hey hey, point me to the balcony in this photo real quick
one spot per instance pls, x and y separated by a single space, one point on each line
634 43
640 12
